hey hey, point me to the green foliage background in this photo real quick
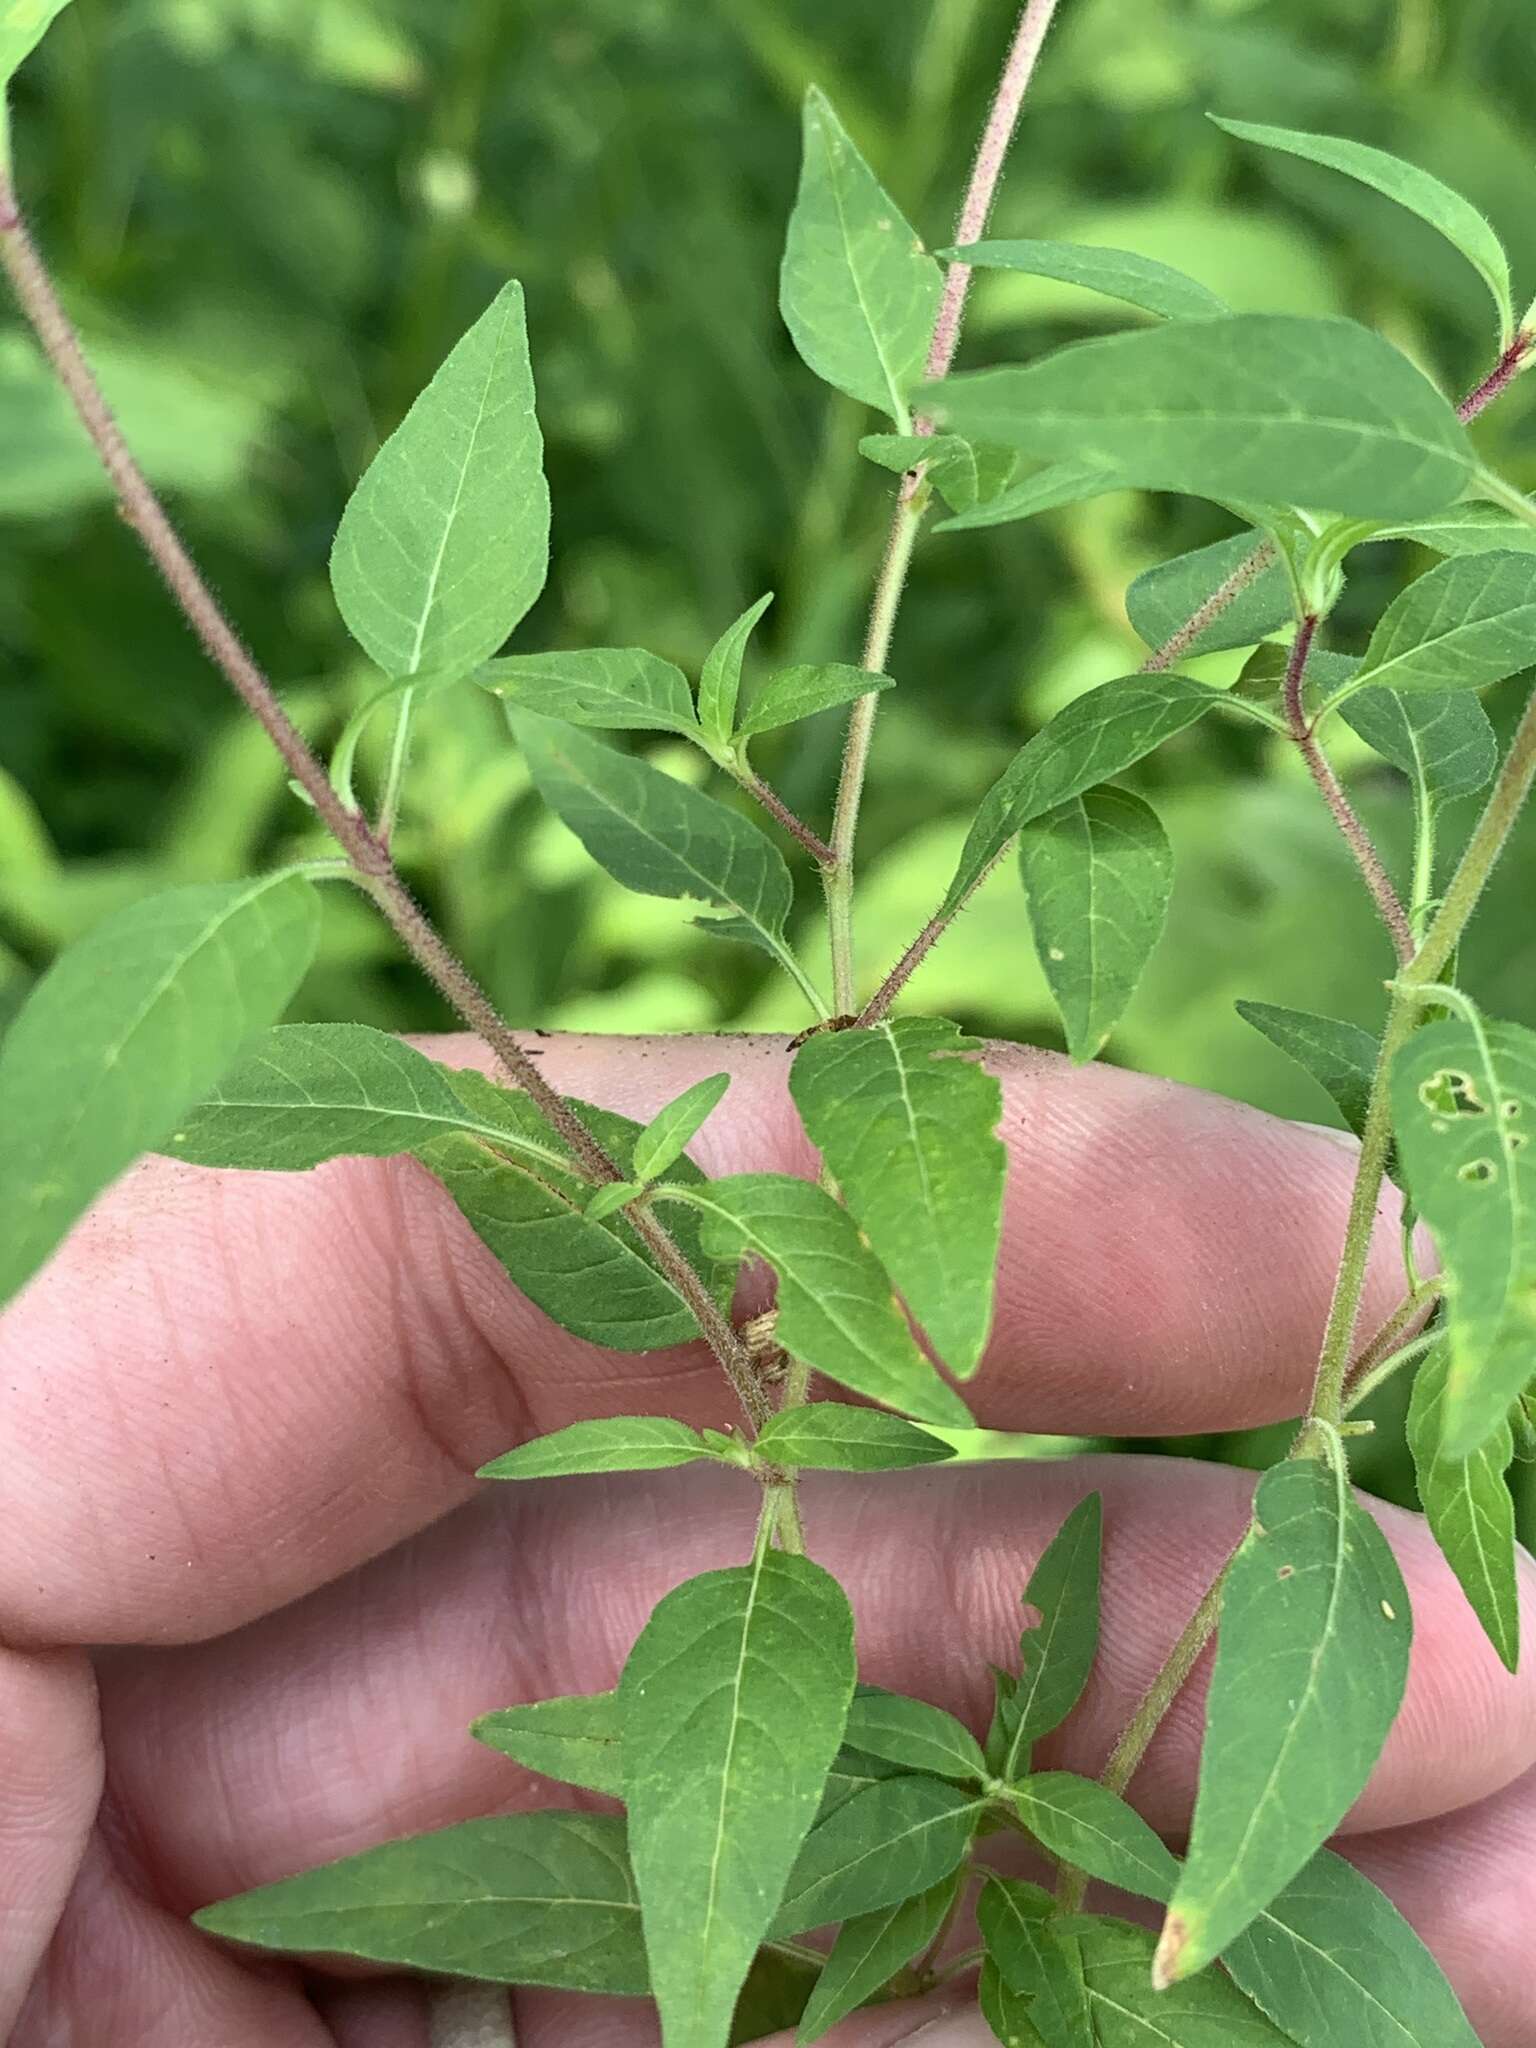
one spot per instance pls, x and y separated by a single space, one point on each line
273 217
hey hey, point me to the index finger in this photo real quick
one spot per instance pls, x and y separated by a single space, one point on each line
228 1388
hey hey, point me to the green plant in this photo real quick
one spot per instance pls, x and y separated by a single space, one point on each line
767 1793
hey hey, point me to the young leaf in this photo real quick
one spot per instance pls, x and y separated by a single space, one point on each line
128 1028
672 1130
836 1310
1161 600
627 1443
1032 1964
1116 273
890 1841
1311 1662
1464 624
857 291
620 688
1206 2012
962 474
1464 1109
1332 1960
1097 735
829 1437
573 1740
1419 191
1270 407
732 1706
1085 1825
913 1734
905 1124
444 544
1057 1653
1005 2012
1468 1504
655 834
1340 1057
869 1951
1044 490
720 677
531 1898
1443 740
612 1196
801 692
23 24
1098 873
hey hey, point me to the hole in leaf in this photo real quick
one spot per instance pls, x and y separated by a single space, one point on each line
1286 1571
1510 1107
1450 1093
1477 1170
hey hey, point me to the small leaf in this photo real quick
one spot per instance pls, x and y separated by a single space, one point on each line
890 1841
829 1437
620 688
1464 1109
1005 2012
1085 1825
23 24
1419 191
1116 273
531 1898
1340 1057
627 1443
1058 1651
1033 1965
732 1703
1096 736
1464 624
720 678
1044 490
869 1951
1206 2012
126 1030
1468 1505
1332 1960
857 291
612 1196
1268 407
672 1130
906 1125
913 1734
575 1741
444 544
1098 873
795 693
962 475
836 1310
1443 740
1311 1663
1163 600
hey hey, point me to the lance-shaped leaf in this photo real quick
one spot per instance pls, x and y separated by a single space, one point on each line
1033 1963
732 1704
1096 736
1464 1109
837 1313
869 1951
857 290
1116 273
1311 1662
1163 600
962 473
1340 1057
673 1128
720 677
912 1733
574 1740
1206 2012
620 688
1464 624
1098 873
1057 1652
1419 191
444 544
127 1029
532 1898
800 692
830 1437
890 1841
1443 740
655 834
1045 490
1468 1504
906 1125
1266 407
1085 1825
624 1443
1471 528
1332 1960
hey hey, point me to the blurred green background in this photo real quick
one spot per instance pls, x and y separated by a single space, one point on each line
272 218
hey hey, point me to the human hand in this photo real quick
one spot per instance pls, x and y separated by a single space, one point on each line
241 1420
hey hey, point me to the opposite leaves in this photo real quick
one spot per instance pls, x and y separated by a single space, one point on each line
574 1740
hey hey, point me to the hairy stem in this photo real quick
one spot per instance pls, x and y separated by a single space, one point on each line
1516 357
780 812
1125 1759
365 849
1249 570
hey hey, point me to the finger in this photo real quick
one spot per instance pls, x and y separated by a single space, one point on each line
229 1388
50 1781
340 1723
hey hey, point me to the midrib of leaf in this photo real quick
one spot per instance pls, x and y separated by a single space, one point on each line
1333 1963
730 1752
919 1156
898 403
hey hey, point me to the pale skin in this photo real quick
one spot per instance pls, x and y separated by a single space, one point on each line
240 1421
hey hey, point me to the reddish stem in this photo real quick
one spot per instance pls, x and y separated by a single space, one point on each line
1498 379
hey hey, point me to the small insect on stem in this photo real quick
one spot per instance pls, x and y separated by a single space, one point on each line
847 1021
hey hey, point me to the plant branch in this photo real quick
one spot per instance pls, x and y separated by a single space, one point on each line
1125 1759
1248 570
1516 357
780 812
365 849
